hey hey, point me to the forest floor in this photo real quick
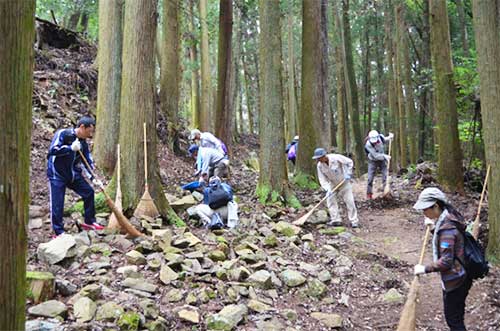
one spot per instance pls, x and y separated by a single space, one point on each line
345 272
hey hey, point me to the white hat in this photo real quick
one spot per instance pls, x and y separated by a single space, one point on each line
193 134
296 138
373 135
428 198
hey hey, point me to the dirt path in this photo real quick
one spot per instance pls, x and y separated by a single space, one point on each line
398 232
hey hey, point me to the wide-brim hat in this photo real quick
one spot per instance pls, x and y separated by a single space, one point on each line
429 197
319 153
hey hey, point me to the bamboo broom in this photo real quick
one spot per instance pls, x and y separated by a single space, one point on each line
407 320
146 206
387 188
475 225
124 222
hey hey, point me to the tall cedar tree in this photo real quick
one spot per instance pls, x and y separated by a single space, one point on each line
310 113
340 79
273 180
170 72
137 106
487 29
195 73
291 97
109 83
205 69
17 28
450 155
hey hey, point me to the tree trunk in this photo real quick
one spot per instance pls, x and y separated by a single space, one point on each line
16 69
326 115
224 106
73 20
366 81
273 182
352 92
450 155
487 29
205 70
292 101
248 94
170 73
340 79
195 75
463 27
311 113
235 77
138 106
84 22
108 88
426 95
403 139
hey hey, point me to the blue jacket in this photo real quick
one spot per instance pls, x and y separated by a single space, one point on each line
64 164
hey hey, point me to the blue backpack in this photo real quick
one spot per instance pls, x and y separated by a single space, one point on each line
216 195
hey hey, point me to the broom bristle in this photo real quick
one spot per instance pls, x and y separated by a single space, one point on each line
124 222
407 321
146 207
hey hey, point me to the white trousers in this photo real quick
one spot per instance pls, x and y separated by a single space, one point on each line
229 213
345 193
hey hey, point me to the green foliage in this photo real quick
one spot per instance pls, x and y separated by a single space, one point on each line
129 321
100 206
305 182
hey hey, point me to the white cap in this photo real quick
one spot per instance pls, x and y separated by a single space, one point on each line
194 132
296 138
429 197
373 135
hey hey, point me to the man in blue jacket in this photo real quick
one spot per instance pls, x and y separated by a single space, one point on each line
65 168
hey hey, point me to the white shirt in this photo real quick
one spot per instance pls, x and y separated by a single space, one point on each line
331 174
209 140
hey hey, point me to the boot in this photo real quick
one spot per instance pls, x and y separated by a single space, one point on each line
369 196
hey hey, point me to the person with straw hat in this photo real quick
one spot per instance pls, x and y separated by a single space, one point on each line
448 253
65 169
374 148
334 169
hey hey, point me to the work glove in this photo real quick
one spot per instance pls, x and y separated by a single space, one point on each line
76 146
97 182
429 222
390 136
419 269
196 173
347 177
387 157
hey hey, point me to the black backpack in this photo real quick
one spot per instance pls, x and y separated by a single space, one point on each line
474 263
217 196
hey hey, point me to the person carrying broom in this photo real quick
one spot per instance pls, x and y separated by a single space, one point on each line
374 148
447 251
65 169
334 170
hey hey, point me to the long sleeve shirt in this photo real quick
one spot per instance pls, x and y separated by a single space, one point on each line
209 140
331 174
375 151
207 159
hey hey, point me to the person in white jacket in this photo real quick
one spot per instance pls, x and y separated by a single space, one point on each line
332 169
207 139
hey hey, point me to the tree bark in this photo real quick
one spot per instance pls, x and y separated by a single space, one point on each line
403 139
195 75
17 28
108 88
340 79
450 155
224 105
326 115
273 179
487 29
170 73
463 27
138 106
205 69
292 101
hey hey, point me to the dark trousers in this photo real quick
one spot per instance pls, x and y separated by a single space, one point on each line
372 169
57 192
454 306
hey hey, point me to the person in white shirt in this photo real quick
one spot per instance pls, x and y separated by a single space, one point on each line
209 162
207 139
332 170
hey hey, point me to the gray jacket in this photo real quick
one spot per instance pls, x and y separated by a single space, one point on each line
375 151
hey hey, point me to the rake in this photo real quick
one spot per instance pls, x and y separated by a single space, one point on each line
146 206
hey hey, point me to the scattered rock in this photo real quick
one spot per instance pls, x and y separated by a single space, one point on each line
258 306
184 203
328 319
167 275
109 312
41 285
261 279
217 255
316 288
129 321
35 223
135 257
56 250
189 314
392 296
41 325
51 308
227 318
139 284
292 278
287 229
84 310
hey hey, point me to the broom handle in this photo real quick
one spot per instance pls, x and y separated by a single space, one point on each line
90 170
389 162
334 189
426 237
118 170
145 158
475 226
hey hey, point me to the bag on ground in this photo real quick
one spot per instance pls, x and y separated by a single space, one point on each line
217 196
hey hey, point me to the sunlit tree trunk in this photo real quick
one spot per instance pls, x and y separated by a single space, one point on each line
109 84
292 100
403 139
450 155
205 69
17 26
195 76
340 79
487 30
326 114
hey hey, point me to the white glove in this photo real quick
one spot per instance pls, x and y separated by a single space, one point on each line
429 222
390 136
387 157
419 269
97 182
328 193
76 146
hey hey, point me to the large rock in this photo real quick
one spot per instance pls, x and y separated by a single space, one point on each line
139 284
292 278
319 217
109 311
328 319
51 308
189 314
167 275
135 257
316 288
184 203
287 229
56 250
262 279
93 291
187 240
227 318
84 309
258 306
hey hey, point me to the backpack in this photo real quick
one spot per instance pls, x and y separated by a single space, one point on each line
474 263
217 196
382 139
215 222
292 152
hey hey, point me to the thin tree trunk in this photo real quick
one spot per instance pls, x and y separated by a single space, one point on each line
108 88
84 22
235 68
224 108
205 69
195 75
463 27
487 28
403 140
366 82
292 100
137 106
326 116
170 73
340 78
17 28
450 155
426 109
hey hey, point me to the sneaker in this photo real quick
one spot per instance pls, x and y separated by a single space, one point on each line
335 223
369 196
93 226
54 236
355 225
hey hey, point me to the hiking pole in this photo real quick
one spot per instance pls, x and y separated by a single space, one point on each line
304 218
407 320
475 225
124 222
